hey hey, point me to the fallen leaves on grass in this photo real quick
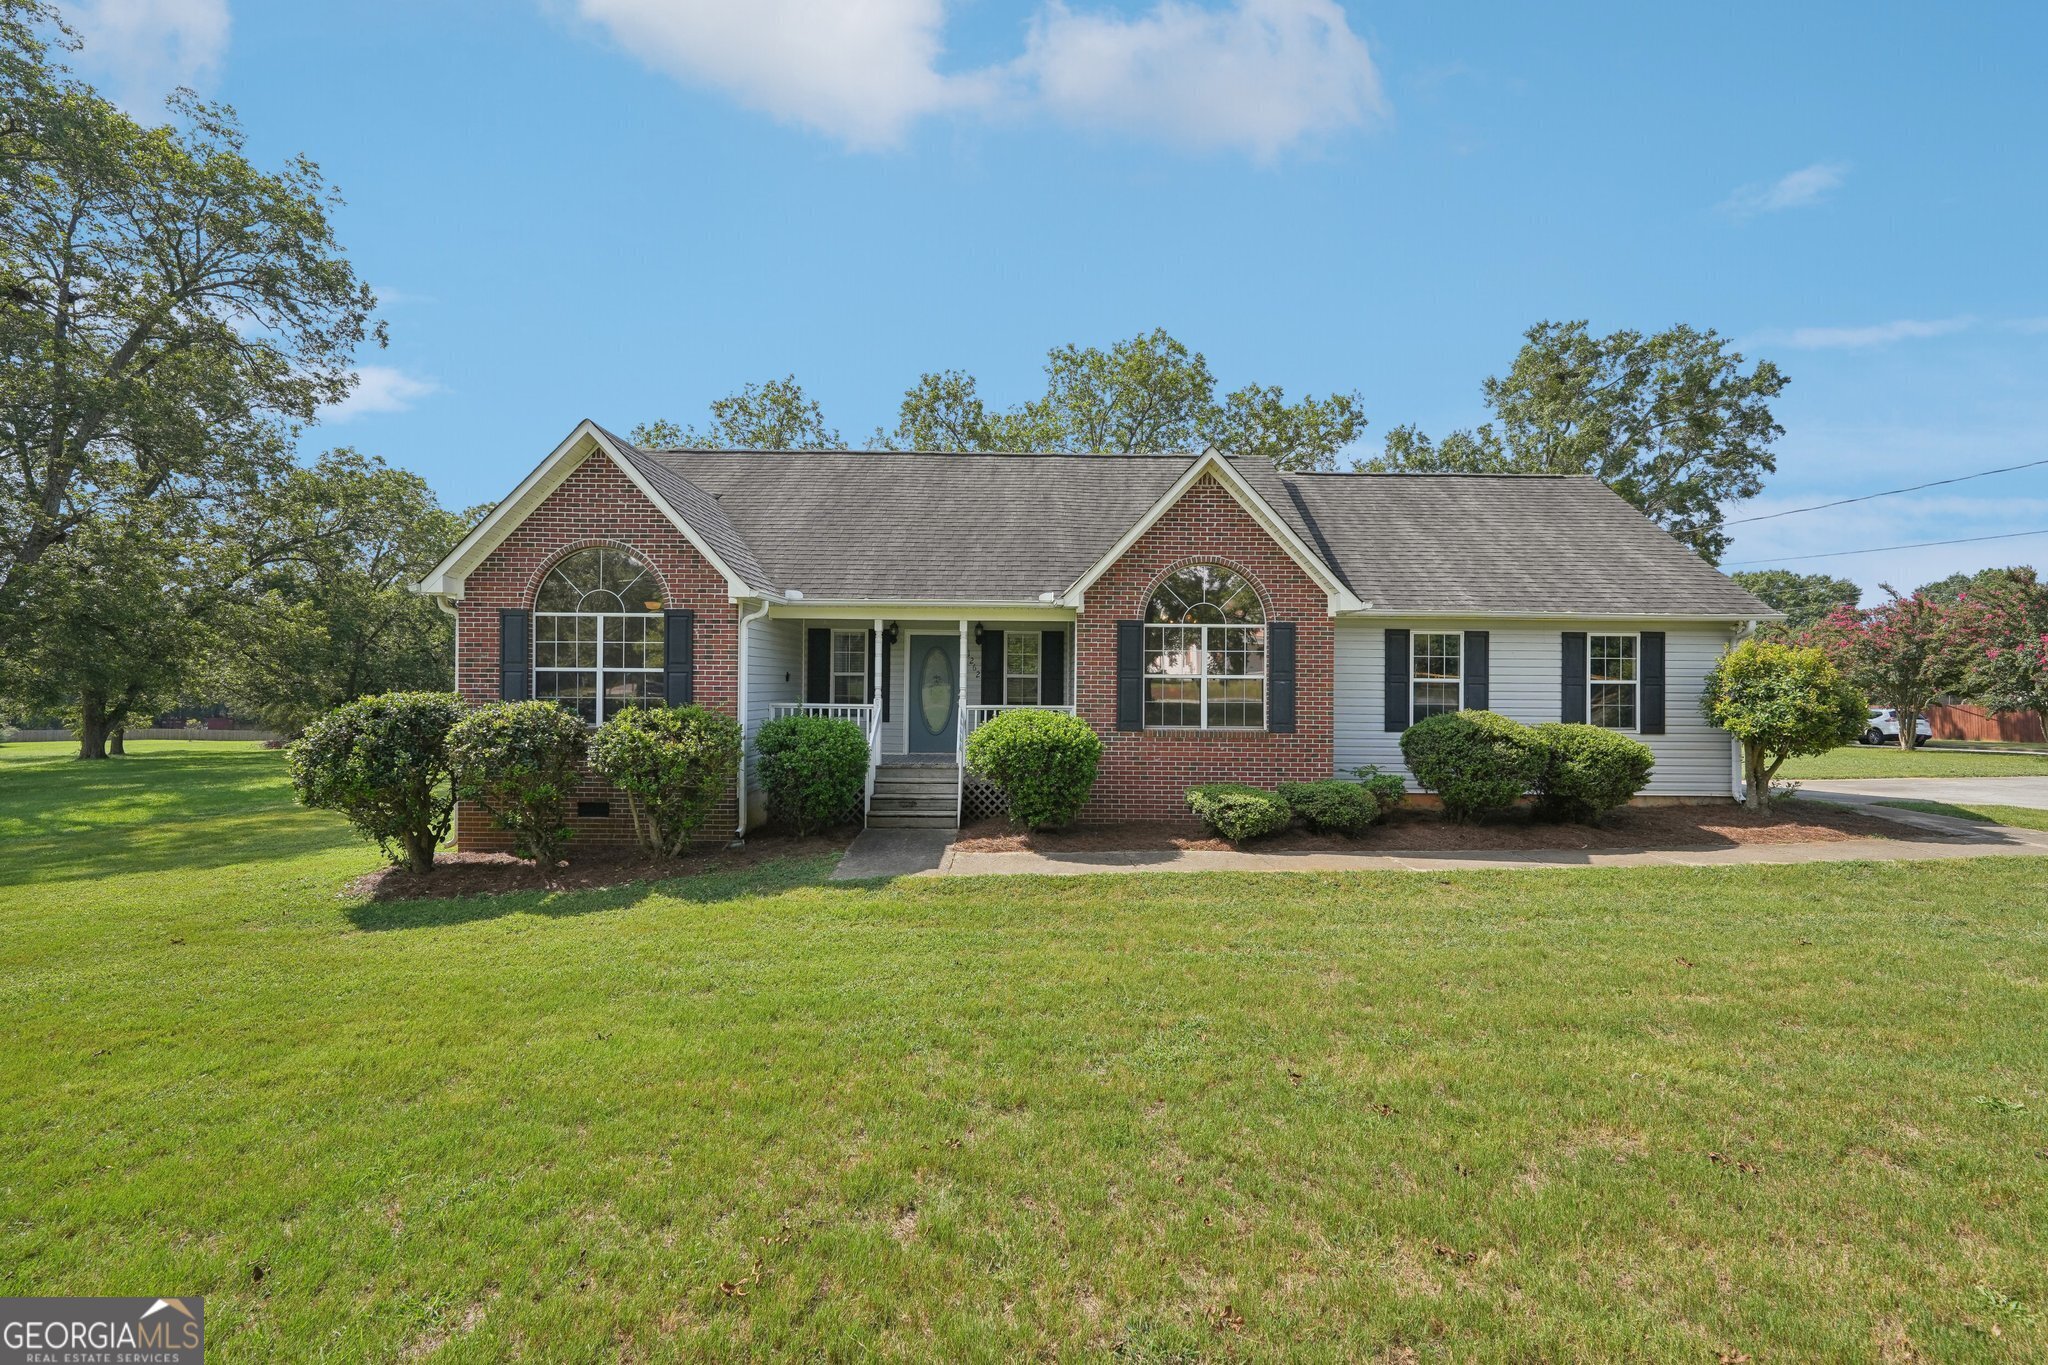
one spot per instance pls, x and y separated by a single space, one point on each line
1227 1318
1745 1167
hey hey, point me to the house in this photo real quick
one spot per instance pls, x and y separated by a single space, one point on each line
1210 617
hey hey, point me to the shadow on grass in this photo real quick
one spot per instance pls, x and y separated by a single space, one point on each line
706 888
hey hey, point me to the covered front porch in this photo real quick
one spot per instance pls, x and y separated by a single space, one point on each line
917 683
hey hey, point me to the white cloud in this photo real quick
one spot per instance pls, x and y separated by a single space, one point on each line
1256 76
380 388
862 72
1874 334
1798 189
147 48
1253 75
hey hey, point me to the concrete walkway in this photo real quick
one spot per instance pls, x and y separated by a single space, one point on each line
893 853
1938 838
2031 792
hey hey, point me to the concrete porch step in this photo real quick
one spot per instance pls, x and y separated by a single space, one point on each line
879 820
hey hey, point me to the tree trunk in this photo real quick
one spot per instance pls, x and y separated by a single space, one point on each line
117 743
92 726
419 854
1757 778
1909 723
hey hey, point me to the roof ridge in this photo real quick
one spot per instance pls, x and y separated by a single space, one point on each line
949 454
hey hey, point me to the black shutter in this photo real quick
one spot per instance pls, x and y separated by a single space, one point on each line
867 666
1650 678
887 649
1052 668
1398 695
679 646
1280 677
1478 671
818 666
991 668
1571 701
1130 675
515 662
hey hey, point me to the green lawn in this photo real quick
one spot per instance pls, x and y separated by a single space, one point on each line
1854 760
1648 1114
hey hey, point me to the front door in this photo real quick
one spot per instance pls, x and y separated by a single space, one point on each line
934 693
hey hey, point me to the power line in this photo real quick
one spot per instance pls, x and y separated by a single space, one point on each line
1888 493
1881 549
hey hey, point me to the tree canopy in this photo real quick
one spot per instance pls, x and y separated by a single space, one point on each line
1807 599
1147 393
1670 421
168 311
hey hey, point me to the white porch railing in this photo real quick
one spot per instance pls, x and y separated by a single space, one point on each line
974 717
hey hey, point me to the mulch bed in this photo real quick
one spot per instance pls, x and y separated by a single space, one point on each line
480 874
1634 827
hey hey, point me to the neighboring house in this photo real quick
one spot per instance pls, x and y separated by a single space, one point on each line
1210 617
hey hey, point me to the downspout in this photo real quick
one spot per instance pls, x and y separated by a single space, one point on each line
746 620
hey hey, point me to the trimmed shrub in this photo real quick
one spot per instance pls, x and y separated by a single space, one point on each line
813 770
1588 771
1331 806
1043 762
1478 762
517 760
382 762
674 764
1239 812
1388 789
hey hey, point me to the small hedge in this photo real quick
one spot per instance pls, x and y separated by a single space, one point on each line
382 762
1331 806
813 770
1043 762
1238 811
518 761
1478 763
674 764
1389 790
1588 771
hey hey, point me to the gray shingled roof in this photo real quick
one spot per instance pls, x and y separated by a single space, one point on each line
895 526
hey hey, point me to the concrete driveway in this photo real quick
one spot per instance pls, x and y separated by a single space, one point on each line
1958 791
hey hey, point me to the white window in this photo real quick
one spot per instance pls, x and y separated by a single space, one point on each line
1439 673
598 634
1611 681
849 667
1020 668
1205 652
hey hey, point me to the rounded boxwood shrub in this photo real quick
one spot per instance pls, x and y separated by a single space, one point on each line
1331 806
813 770
1238 811
1043 762
674 764
1588 771
518 761
382 762
1478 763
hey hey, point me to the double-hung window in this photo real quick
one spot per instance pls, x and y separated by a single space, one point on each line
1611 681
849 667
598 634
1439 673
1205 652
1020 668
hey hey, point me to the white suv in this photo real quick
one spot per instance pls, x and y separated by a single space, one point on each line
1884 728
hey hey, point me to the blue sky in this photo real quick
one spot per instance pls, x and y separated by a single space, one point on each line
625 208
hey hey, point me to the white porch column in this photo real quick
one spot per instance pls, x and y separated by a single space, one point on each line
875 692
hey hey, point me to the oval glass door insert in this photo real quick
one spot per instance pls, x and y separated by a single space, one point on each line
936 697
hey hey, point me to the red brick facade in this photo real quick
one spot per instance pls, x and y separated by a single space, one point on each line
596 505
1145 774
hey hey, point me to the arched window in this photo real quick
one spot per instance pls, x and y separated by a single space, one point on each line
597 634
1205 652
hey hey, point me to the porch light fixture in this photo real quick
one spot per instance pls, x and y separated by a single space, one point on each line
977 632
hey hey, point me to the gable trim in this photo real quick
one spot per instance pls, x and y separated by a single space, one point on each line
445 580
1212 463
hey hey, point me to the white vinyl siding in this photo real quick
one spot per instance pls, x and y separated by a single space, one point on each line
775 673
1526 682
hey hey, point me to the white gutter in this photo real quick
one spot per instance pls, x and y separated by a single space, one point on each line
746 620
